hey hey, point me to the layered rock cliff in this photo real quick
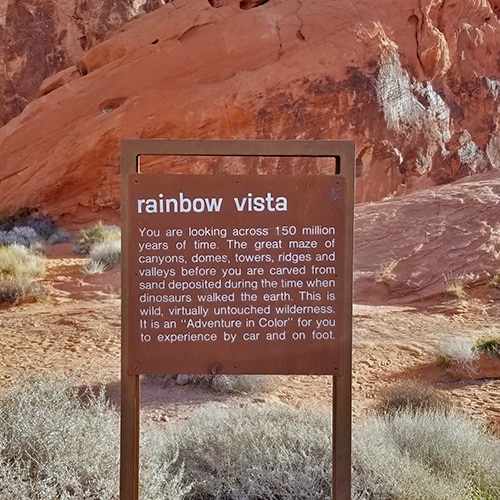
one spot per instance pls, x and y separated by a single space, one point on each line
42 37
415 84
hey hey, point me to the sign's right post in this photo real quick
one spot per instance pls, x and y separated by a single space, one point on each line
342 385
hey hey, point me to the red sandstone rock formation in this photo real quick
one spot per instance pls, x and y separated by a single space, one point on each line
416 84
412 248
41 37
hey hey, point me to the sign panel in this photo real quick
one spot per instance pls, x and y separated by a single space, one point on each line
236 274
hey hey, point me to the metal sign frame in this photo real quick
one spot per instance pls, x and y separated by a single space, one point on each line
343 152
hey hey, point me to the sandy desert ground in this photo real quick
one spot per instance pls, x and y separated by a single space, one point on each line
76 331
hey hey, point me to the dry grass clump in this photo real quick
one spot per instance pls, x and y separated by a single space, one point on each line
412 396
89 237
459 352
385 272
18 262
103 257
494 281
19 268
255 452
235 384
427 455
102 245
56 444
456 289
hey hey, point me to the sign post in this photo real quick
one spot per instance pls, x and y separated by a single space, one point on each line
241 274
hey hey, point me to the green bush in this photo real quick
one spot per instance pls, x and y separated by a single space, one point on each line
87 238
489 346
427 455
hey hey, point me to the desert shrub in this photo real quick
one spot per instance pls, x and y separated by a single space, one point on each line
234 384
162 474
43 225
412 396
17 261
11 292
87 238
456 350
22 235
19 267
103 257
55 446
60 235
489 346
255 452
494 281
56 442
427 455
14 291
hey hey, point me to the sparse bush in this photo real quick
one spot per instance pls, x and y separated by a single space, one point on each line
22 235
494 281
105 256
59 236
19 267
52 445
234 384
458 351
413 396
427 455
11 292
489 346
17 261
255 453
14 291
43 225
92 236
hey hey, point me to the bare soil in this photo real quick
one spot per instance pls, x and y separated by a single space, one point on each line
75 332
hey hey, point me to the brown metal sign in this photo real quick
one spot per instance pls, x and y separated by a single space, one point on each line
236 274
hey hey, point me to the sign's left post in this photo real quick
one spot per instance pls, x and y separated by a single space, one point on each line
130 383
